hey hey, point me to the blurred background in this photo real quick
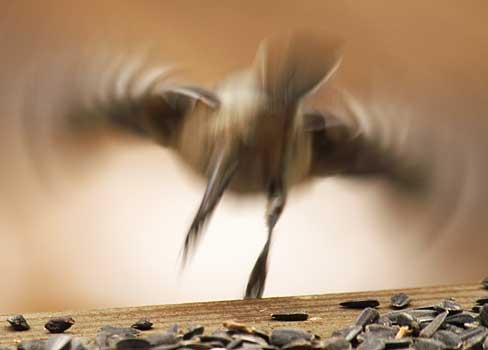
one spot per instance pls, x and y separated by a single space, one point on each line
102 225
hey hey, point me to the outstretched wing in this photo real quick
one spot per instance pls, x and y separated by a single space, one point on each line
342 145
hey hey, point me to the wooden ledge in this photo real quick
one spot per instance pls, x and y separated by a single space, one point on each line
325 313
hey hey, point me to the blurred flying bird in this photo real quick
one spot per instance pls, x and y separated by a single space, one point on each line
259 130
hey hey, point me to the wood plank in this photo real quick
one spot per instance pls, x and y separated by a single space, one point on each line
325 313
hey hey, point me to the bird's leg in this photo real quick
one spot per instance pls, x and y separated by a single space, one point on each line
223 169
276 203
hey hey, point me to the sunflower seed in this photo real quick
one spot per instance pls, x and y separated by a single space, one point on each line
428 344
18 323
260 333
485 343
59 342
381 331
167 346
372 344
360 304
111 330
224 338
349 333
195 345
143 324
482 301
367 316
434 326
453 328
398 343
290 316
473 337
193 331
337 343
133 343
461 318
484 282
59 324
385 321
164 338
406 319
484 315
298 344
253 339
450 339
449 305
32 345
400 300
234 344
283 335
476 308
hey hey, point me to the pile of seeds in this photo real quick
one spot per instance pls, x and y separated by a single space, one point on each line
442 326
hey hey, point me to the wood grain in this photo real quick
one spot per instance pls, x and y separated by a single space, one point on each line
325 313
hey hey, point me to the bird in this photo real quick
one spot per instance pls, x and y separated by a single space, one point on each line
257 131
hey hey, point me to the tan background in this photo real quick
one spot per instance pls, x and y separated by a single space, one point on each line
107 233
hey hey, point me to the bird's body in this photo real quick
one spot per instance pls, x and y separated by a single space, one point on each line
245 123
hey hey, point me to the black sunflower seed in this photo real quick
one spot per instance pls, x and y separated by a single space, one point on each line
166 347
449 305
450 339
402 343
143 324
298 344
59 324
234 344
484 282
381 331
253 339
195 345
32 345
461 318
337 343
428 344
360 304
372 344
164 338
400 300
111 330
260 333
407 320
18 323
224 338
133 343
482 301
283 335
349 333
484 315
290 316
193 331
59 342
434 326
367 316
473 337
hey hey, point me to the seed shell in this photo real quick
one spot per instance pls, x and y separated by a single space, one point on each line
59 324
290 316
18 323
434 326
360 304
400 301
143 324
